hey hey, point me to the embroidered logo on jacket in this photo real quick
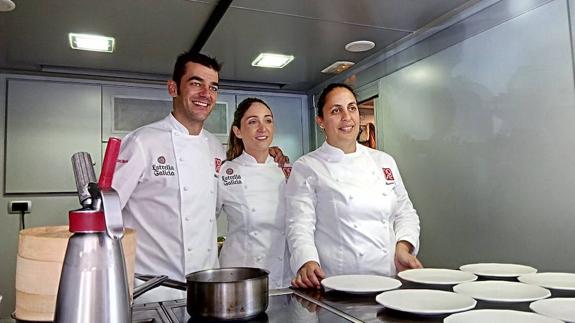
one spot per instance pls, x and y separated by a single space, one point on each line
163 169
388 175
229 171
234 179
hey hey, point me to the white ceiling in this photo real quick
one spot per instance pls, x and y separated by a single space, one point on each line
151 33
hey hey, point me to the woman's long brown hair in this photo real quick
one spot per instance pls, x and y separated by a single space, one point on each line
235 144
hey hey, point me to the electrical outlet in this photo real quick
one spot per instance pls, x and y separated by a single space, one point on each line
17 207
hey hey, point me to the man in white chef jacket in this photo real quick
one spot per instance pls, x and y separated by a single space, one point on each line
167 175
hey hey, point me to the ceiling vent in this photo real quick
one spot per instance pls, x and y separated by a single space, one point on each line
337 67
359 46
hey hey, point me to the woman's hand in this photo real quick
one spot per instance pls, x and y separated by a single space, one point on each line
403 257
308 276
278 156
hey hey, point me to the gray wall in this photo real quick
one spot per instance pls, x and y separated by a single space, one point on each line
483 134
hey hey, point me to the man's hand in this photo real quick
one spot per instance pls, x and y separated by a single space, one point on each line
308 276
403 257
278 156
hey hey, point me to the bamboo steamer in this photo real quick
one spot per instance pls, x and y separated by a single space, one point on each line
41 252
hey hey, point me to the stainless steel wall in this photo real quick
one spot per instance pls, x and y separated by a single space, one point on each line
482 132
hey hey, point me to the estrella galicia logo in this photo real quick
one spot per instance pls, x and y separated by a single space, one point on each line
163 169
230 178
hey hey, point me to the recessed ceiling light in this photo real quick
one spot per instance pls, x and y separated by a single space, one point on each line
337 67
359 46
7 5
92 42
272 60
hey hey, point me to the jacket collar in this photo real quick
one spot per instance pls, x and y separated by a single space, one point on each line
179 127
247 159
334 154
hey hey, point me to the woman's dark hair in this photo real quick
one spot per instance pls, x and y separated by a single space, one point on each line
235 144
326 91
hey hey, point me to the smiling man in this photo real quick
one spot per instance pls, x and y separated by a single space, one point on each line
167 175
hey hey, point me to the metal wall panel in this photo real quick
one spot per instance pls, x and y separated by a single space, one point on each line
482 132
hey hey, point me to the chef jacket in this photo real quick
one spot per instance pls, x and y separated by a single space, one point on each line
167 182
347 211
251 194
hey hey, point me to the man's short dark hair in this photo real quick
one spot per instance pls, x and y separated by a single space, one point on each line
184 58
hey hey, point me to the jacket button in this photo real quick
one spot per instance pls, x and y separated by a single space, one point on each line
181 159
187 219
245 186
185 188
189 249
211 220
259 258
355 226
351 197
253 210
255 233
209 249
361 253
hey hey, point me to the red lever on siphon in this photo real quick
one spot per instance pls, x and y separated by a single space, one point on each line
109 164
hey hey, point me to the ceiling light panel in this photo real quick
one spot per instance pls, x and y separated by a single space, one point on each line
272 60
93 43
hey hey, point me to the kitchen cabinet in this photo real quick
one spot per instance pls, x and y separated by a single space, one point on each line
47 122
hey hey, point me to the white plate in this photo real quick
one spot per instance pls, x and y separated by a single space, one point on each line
562 281
498 270
437 276
360 284
559 308
498 316
425 301
502 291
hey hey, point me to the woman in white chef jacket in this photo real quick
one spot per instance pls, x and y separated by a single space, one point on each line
347 208
250 192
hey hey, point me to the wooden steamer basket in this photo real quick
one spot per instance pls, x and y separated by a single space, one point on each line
39 262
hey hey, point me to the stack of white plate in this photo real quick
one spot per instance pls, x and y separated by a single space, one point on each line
559 308
498 269
360 284
559 281
437 276
498 316
502 291
425 301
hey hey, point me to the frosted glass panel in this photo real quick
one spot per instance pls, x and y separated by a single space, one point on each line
483 134
217 121
131 113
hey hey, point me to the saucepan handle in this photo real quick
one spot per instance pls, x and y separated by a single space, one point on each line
167 283
154 282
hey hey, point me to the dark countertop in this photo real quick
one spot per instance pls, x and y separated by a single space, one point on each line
364 308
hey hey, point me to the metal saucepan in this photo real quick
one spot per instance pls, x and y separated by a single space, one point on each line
228 293
224 293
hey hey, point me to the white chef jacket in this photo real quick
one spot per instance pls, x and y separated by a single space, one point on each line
167 182
251 194
347 211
